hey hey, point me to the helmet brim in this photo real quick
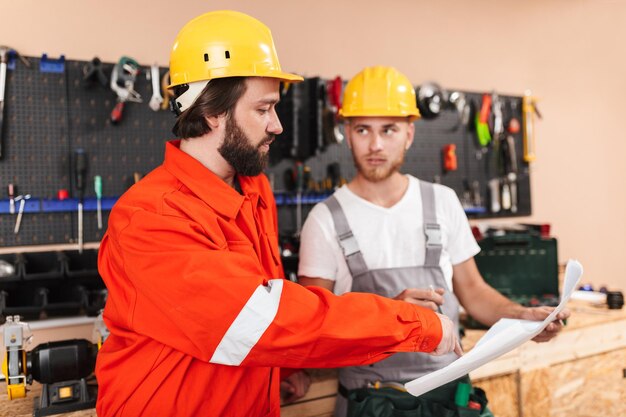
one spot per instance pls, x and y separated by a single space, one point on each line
283 76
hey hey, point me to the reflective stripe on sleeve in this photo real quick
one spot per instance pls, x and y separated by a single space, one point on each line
252 321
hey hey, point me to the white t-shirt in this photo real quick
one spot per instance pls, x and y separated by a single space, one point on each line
387 237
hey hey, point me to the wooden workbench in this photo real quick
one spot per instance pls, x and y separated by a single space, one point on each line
579 374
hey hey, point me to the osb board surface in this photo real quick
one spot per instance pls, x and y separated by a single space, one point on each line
589 387
502 394
583 315
312 408
23 407
589 331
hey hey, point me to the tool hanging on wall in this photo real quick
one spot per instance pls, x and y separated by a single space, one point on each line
123 79
93 73
80 176
156 100
167 93
501 151
459 101
529 109
20 212
482 127
449 157
430 100
494 194
5 51
332 123
507 157
97 186
11 189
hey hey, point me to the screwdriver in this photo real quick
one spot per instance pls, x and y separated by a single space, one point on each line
11 193
97 185
80 171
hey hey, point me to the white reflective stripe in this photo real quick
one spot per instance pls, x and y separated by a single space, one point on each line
253 320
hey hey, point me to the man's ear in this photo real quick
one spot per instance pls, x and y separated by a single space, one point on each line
410 135
347 132
214 122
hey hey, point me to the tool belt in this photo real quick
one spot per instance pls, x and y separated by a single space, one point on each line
391 400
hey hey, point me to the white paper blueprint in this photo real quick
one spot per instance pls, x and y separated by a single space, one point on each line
502 337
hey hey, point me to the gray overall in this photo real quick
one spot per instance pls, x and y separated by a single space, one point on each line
389 282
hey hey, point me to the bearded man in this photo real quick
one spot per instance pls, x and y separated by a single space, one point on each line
201 319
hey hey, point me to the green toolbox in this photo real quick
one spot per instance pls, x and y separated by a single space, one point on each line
522 266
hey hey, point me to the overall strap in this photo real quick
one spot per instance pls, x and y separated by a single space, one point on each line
347 241
432 229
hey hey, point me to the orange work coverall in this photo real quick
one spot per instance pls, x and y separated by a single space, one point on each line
200 317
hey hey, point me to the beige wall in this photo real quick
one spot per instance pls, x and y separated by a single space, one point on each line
569 52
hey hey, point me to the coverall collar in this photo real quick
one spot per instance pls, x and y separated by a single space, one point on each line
206 185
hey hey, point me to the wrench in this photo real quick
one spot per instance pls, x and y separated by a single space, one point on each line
157 99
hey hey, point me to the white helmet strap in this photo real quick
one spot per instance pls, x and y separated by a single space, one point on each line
186 99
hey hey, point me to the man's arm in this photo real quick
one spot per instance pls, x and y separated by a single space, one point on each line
447 343
218 306
487 305
318 282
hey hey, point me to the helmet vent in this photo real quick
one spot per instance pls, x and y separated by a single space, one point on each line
206 57
227 54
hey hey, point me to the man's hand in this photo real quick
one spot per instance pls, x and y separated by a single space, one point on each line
294 387
450 338
422 297
540 314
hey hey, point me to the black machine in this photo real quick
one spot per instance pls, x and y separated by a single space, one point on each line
62 367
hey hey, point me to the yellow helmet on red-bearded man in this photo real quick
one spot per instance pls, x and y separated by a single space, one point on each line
222 44
379 91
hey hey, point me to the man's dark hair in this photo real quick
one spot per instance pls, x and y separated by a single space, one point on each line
218 97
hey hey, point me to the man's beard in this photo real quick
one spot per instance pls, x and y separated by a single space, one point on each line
240 153
378 174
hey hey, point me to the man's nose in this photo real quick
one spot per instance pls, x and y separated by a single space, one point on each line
274 126
376 143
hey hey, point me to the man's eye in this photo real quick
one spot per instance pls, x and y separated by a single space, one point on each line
361 131
262 111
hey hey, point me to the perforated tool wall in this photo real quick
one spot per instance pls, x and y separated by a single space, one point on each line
49 115
476 164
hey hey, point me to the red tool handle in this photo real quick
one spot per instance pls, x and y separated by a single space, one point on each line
334 92
118 110
485 109
449 157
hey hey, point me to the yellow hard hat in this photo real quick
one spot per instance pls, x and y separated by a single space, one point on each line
379 91
222 44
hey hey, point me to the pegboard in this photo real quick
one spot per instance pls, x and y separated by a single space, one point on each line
423 160
49 115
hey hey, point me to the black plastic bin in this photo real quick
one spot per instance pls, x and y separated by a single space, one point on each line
43 265
81 264
24 301
64 300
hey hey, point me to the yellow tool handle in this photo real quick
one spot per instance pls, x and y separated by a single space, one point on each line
528 115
